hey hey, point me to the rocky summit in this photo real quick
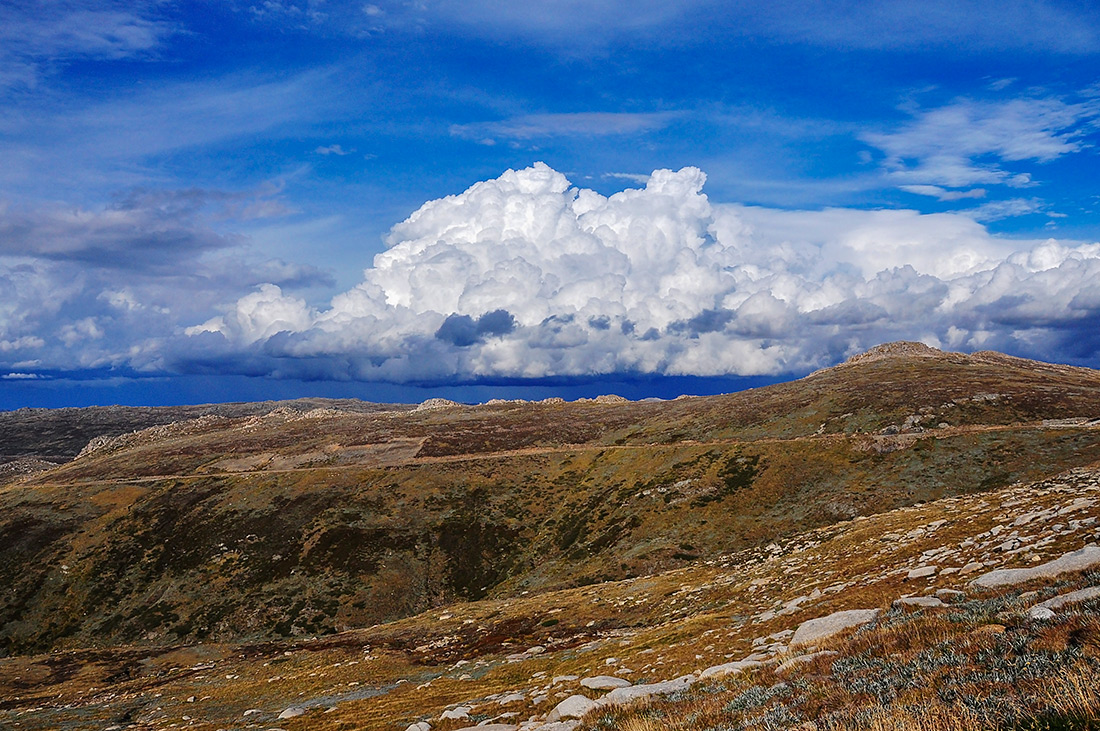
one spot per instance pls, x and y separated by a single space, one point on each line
908 540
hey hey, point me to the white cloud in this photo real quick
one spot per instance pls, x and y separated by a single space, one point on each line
969 142
33 35
944 194
333 150
527 276
590 124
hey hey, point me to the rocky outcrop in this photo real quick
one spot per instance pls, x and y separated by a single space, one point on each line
1082 560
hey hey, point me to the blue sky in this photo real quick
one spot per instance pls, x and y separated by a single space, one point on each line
399 199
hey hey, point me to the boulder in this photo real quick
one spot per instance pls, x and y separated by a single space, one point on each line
419 726
457 714
802 660
1082 560
622 696
931 602
575 706
814 631
1046 610
921 573
729 668
604 682
292 712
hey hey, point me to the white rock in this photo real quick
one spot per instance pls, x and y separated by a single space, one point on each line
815 630
292 712
1081 560
491 727
729 668
621 696
562 679
604 682
457 714
511 698
552 726
1045 610
251 711
419 726
575 706
920 601
921 573
802 660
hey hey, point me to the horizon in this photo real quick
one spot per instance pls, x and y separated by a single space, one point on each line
223 200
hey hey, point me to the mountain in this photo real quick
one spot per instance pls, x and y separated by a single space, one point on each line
238 533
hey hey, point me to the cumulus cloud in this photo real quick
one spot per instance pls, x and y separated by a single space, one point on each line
528 276
113 286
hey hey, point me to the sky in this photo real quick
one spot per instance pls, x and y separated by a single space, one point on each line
216 201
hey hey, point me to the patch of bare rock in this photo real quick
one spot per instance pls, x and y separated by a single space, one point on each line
1082 560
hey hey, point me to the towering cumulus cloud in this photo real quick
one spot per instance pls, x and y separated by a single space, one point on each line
527 276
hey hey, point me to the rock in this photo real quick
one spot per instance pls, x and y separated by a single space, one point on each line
251 711
457 714
921 573
491 727
730 668
1045 610
949 594
511 698
802 660
604 682
621 696
292 712
552 726
575 706
972 567
815 630
920 601
562 679
1081 560
419 726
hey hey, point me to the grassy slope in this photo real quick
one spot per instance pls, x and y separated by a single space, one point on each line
980 662
295 523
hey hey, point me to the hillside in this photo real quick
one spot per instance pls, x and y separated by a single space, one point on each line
297 522
245 531
974 612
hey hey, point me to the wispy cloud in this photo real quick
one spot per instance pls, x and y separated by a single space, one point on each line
943 194
33 35
971 142
576 124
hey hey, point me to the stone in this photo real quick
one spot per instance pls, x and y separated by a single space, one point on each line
920 601
491 727
1045 610
729 668
419 726
1082 560
921 573
456 714
814 631
292 712
621 696
563 679
511 698
604 682
949 594
575 706
802 660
